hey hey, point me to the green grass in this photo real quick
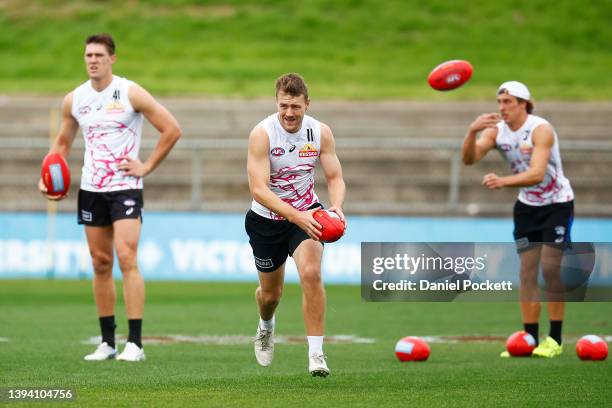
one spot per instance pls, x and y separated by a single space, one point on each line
47 320
361 49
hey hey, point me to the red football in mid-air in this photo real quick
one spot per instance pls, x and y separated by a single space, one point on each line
332 227
591 347
55 174
450 75
412 349
520 344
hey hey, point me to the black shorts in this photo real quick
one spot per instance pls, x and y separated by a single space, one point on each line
101 209
272 240
550 224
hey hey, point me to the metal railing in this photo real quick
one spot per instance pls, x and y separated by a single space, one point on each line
197 147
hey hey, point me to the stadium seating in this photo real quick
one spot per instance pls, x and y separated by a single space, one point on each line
397 156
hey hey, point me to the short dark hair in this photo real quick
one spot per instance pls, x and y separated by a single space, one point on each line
530 105
104 39
293 84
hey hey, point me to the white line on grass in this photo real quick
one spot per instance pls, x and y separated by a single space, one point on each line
233 339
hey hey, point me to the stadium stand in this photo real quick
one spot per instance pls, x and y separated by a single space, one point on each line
398 157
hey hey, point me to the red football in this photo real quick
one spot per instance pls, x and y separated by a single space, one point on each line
520 344
412 349
55 174
450 75
332 227
591 347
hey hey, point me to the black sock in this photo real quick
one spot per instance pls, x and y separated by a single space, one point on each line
555 330
135 331
107 327
532 328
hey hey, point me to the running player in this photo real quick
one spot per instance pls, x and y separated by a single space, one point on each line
110 109
544 210
283 150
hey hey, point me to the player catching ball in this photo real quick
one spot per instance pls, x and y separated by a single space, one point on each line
544 211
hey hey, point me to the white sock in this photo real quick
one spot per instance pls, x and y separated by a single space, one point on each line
266 324
315 345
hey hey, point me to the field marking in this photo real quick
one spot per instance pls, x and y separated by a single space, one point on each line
4 340
224 340
233 339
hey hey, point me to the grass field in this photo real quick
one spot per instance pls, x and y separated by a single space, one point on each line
362 49
46 321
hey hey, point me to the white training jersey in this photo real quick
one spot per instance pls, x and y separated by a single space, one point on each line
516 148
293 157
111 129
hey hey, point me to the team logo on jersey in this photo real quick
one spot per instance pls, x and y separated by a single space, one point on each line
84 110
308 151
505 147
115 107
526 134
277 151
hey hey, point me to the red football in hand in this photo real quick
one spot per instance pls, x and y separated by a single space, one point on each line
55 174
332 227
450 75
520 344
591 347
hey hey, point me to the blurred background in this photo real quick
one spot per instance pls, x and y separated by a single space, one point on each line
213 64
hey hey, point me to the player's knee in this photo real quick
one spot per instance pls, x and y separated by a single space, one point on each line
126 255
102 263
311 275
529 277
271 297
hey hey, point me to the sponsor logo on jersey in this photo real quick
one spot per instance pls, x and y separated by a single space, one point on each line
292 148
129 211
308 151
277 151
526 147
505 147
115 107
84 110
129 202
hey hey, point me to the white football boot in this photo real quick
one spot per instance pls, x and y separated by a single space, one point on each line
264 346
131 352
103 352
317 366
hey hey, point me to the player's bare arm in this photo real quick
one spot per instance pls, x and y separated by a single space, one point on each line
167 126
332 170
475 148
63 142
543 141
258 170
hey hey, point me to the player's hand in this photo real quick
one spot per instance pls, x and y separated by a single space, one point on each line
307 223
486 120
492 181
43 189
132 167
338 210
